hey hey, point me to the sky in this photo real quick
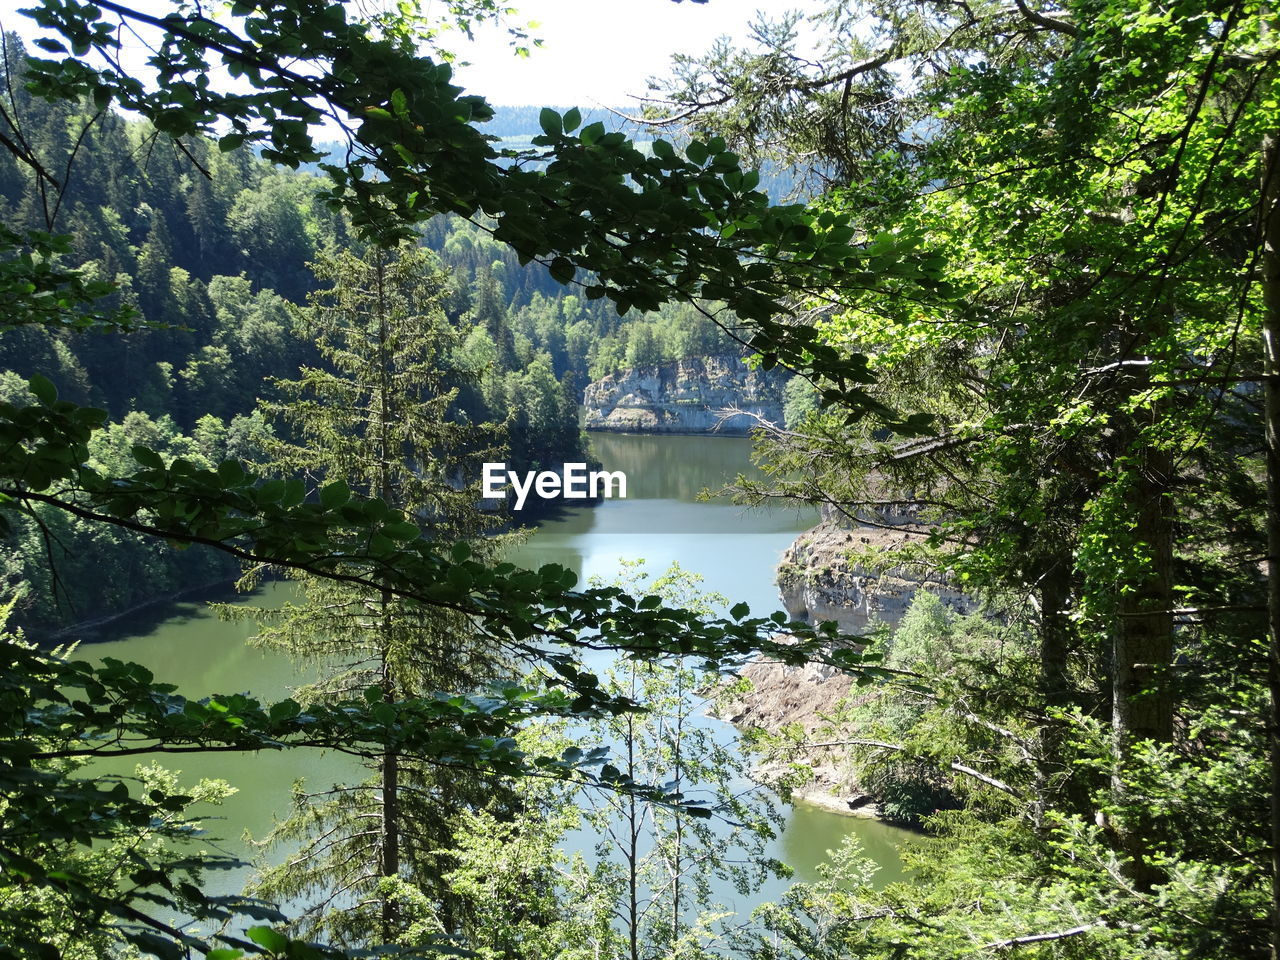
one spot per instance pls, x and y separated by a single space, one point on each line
595 52
601 52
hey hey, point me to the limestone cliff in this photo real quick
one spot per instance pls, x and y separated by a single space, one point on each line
685 396
821 579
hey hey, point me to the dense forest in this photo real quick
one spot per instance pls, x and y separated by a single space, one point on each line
213 251
1032 303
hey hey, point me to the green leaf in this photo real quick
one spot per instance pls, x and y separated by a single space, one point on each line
739 610
295 491
230 473
284 710
268 939
147 457
403 530
572 119
335 494
550 122
44 389
562 270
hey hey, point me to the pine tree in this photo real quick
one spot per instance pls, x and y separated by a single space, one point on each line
377 419
154 262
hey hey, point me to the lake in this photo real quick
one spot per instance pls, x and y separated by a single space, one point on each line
661 520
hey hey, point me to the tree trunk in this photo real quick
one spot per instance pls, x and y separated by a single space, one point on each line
677 763
390 861
1143 703
1271 392
1055 632
1055 686
633 843
1142 699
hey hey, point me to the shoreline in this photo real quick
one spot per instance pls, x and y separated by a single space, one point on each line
829 802
670 433
92 625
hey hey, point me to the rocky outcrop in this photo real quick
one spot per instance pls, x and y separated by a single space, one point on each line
821 579
780 697
685 396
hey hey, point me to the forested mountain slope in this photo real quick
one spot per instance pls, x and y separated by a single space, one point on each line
210 248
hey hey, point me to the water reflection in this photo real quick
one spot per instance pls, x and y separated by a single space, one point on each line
812 832
734 550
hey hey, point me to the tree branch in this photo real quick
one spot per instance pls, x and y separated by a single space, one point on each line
1044 937
899 748
1049 23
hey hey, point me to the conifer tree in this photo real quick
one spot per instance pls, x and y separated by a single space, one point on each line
377 419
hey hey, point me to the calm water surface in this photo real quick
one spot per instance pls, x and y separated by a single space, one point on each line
733 549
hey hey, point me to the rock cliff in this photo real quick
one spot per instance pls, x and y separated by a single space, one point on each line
800 699
820 578
685 396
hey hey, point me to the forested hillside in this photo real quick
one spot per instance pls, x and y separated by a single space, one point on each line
212 250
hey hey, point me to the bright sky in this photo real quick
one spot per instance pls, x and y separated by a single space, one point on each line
595 52
601 51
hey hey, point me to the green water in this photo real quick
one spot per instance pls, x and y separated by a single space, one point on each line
661 521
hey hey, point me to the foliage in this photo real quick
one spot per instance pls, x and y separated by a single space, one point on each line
51 557
660 227
1055 261
658 865
1090 174
529 898
193 262
119 709
63 712
380 418
648 227
800 399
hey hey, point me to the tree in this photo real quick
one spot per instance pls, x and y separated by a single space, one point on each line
643 349
530 900
659 227
55 710
1093 192
271 218
678 228
164 841
378 418
659 863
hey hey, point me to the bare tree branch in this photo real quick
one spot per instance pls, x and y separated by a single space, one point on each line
1044 937
899 748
